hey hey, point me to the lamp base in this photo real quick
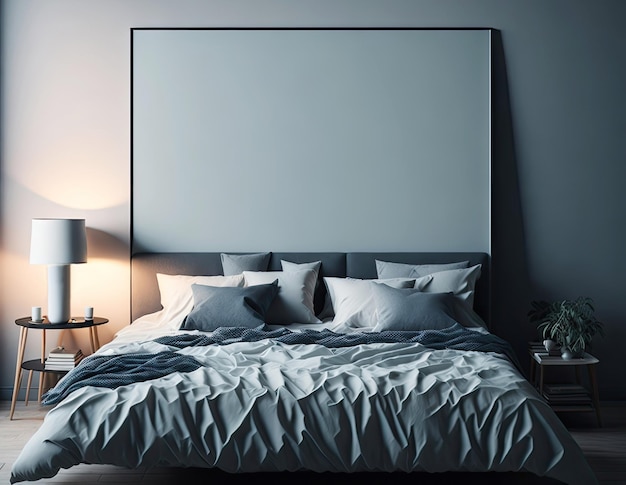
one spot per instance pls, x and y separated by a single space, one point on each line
58 293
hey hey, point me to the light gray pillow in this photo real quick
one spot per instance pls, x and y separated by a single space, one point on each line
233 264
216 307
461 282
387 269
466 316
352 301
289 266
409 309
294 301
319 292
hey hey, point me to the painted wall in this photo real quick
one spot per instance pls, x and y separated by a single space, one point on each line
559 146
327 139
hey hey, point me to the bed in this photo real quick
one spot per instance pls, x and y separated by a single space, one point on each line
361 363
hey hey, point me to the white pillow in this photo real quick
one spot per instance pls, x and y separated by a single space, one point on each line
294 302
177 295
353 301
461 282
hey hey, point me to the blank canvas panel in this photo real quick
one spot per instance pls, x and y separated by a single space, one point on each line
310 139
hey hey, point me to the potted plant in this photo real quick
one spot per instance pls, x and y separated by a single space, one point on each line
570 323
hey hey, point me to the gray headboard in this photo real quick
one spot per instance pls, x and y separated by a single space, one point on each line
145 297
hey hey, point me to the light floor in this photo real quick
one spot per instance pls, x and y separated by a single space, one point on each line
605 449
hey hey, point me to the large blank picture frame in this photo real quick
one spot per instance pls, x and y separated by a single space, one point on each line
311 139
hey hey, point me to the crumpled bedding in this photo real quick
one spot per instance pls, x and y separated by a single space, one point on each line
114 371
271 406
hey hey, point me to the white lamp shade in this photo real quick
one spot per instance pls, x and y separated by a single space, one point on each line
58 241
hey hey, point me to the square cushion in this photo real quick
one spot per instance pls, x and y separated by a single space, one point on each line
386 269
294 301
461 282
289 266
233 264
320 292
216 307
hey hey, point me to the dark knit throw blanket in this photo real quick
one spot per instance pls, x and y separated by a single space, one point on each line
119 370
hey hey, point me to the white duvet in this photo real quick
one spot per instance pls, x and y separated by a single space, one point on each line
268 406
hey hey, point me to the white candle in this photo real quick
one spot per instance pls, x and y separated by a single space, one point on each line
88 313
35 314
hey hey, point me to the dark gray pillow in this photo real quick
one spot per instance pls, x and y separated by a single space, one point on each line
233 264
410 309
320 292
216 307
294 301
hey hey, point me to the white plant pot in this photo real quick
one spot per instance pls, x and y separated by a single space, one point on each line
549 344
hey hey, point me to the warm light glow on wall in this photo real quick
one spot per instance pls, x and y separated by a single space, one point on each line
70 181
97 284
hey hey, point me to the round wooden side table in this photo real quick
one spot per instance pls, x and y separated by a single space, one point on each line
38 365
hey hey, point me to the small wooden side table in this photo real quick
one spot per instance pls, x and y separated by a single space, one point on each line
542 360
38 365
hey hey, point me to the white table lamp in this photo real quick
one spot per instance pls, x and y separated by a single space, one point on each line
58 243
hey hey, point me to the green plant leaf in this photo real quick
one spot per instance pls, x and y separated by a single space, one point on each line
571 323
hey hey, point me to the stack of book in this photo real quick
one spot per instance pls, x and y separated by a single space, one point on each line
539 348
62 359
566 395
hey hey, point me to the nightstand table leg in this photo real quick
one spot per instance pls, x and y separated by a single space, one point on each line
42 379
92 340
541 380
594 391
95 337
18 368
43 346
30 381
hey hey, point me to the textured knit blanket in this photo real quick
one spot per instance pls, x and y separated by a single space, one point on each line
454 337
119 370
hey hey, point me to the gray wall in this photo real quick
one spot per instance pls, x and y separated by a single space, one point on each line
559 146
338 140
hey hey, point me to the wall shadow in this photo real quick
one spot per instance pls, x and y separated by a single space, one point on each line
510 276
103 245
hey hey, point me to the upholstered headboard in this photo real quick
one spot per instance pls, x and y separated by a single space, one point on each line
146 298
